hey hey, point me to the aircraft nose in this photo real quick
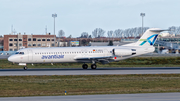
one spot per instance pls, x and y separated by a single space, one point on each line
11 59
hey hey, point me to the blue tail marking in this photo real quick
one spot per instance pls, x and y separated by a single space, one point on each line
148 40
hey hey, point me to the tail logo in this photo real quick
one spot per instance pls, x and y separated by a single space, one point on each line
148 40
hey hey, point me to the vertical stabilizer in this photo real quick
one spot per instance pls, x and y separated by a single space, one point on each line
149 37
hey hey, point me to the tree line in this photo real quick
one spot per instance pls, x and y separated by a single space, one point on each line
119 33
174 30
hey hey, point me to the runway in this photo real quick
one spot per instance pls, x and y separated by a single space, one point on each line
99 71
113 97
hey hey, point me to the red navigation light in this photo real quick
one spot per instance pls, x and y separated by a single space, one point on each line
115 57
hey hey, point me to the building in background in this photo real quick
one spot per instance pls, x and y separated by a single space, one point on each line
16 42
1 43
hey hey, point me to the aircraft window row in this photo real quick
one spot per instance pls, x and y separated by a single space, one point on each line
69 52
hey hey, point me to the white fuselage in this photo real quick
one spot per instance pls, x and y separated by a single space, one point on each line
78 54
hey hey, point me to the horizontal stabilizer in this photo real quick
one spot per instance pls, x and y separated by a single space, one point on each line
158 30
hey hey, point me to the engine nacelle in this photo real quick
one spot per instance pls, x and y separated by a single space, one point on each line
124 52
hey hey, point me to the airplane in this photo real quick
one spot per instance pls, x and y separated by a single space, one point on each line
91 54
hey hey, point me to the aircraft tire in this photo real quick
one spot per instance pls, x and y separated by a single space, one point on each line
93 66
25 68
84 66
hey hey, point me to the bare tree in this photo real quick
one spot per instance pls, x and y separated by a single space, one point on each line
133 32
98 32
174 30
118 33
110 34
95 33
84 35
101 32
70 36
61 33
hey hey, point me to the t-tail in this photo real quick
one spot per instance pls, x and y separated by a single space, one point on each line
149 37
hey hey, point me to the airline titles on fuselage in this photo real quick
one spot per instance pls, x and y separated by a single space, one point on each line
52 56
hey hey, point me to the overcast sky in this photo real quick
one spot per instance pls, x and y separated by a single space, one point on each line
77 16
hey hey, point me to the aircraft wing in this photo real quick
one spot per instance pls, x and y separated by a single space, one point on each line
93 58
103 60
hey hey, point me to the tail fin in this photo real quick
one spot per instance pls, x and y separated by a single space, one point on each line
149 37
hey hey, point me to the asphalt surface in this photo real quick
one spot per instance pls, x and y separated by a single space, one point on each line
113 97
99 71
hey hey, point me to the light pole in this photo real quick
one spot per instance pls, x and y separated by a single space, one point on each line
142 14
54 16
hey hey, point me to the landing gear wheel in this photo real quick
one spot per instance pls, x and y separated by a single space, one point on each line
84 66
93 66
25 68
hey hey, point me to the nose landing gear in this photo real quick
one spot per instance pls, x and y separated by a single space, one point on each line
25 68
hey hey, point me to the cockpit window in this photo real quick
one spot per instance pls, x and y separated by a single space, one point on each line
19 53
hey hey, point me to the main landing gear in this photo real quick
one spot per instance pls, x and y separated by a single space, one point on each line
85 66
93 66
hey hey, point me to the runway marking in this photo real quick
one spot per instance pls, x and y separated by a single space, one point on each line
100 71
107 97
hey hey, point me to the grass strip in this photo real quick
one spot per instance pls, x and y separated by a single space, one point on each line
15 86
132 62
